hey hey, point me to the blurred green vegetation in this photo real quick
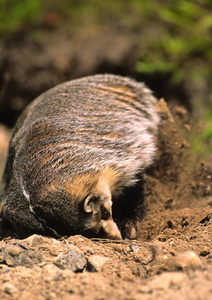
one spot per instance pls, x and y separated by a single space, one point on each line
175 38
16 14
183 47
176 35
201 139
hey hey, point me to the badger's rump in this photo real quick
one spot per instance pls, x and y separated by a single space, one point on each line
86 124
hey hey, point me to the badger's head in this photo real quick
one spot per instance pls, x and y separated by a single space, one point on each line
79 205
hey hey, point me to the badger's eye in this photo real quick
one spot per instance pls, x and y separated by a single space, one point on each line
105 214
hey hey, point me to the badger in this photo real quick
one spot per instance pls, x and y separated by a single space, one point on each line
77 157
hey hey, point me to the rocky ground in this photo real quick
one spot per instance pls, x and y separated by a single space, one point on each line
172 258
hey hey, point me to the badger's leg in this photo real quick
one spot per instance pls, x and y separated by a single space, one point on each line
128 209
17 211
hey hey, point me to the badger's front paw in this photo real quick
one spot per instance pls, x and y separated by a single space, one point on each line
131 230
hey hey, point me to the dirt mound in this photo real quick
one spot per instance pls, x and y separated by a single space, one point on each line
179 185
171 259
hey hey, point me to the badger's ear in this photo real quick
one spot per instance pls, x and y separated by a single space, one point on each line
91 204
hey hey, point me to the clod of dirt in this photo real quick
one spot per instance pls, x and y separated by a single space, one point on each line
184 261
164 111
205 251
96 263
166 280
10 288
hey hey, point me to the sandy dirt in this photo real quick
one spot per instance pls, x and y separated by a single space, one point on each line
172 258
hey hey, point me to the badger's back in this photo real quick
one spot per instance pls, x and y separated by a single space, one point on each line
87 124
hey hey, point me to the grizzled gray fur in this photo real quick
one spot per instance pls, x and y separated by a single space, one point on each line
76 159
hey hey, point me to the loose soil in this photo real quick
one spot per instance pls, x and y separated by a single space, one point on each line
172 258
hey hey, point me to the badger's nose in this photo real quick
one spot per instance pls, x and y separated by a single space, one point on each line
110 230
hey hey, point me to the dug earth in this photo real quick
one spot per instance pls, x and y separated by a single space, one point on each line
170 259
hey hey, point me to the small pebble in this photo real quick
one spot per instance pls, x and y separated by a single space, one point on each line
185 144
54 251
73 259
9 288
205 251
51 272
171 243
187 127
117 248
181 111
14 250
34 240
88 250
145 289
169 204
208 200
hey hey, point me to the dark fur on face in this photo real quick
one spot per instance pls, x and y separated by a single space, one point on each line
77 156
